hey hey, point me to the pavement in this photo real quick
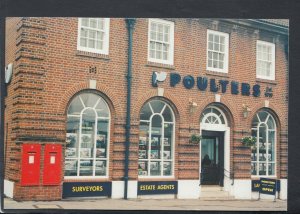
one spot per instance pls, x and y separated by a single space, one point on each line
146 204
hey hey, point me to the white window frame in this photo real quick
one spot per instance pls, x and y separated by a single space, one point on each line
170 60
257 145
161 160
78 177
105 49
272 67
226 51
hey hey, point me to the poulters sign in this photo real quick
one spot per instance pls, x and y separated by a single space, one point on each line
213 85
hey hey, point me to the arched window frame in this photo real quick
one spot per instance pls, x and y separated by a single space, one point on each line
97 119
172 143
256 147
218 117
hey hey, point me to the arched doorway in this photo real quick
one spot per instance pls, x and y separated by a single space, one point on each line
214 147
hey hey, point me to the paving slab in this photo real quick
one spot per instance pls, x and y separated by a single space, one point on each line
149 204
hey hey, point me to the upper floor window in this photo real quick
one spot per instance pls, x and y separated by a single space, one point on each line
93 35
265 60
87 140
217 51
161 41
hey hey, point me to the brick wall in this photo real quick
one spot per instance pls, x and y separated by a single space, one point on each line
49 71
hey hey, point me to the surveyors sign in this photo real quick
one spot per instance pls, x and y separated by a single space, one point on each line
268 186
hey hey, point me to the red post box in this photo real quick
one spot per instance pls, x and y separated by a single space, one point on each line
30 171
52 164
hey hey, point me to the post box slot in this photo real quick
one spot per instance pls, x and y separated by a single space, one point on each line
52 157
31 157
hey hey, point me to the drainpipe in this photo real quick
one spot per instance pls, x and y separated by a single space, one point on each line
130 25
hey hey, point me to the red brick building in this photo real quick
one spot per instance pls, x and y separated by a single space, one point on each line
70 116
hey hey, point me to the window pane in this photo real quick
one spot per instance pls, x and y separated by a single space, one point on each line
210 37
100 168
167 141
146 112
153 35
262 169
92 34
84 22
83 42
165 55
263 116
209 55
152 45
155 168
215 56
210 46
217 38
158 46
215 64
83 32
144 140
89 99
222 40
143 168
222 48
166 37
166 29
167 168
209 63
271 152
216 46
168 117
86 167
100 36
157 106
160 28
99 45
262 134
93 23
253 168
221 65
271 123
101 24
160 37
158 55
152 54
101 108
221 57
153 26
70 167
75 107
102 138
91 44
271 168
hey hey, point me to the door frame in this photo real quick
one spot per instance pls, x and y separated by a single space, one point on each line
218 136
226 141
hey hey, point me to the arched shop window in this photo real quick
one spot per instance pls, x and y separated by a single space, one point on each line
87 141
156 140
263 153
213 116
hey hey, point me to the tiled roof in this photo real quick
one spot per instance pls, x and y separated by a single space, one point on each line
281 22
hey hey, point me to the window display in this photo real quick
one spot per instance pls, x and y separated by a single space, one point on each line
263 152
87 136
156 140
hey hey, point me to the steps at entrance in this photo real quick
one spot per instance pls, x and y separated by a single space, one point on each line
214 193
